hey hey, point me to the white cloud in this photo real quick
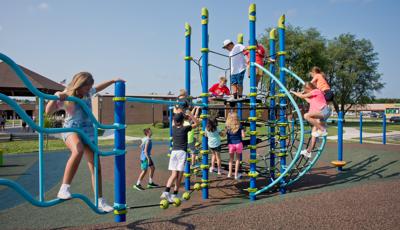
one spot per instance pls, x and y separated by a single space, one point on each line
43 6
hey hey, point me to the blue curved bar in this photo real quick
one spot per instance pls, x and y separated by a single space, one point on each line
34 126
38 93
21 191
297 155
153 101
293 75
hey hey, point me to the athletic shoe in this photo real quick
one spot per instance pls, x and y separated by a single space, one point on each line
165 195
138 187
322 133
171 198
64 193
229 176
104 206
152 185
219 173
211 169
306 153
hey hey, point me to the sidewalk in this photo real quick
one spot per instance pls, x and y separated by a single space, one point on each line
350 133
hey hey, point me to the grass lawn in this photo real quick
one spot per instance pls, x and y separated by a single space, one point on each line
137 131
373 126
12 147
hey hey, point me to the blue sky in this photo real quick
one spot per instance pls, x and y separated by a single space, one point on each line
143 41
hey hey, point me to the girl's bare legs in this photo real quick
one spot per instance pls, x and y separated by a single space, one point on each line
231 155
217 155
237 161
313 118
212 160
313 140
73 142
90 161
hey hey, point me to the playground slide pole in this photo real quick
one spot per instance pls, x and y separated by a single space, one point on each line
282 100
187 85
340 138
272 115
361 128
253 104
204 115
384 129
41 145
119 162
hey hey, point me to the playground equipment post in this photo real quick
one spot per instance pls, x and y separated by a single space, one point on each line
272 115
340 138
187 86
361 128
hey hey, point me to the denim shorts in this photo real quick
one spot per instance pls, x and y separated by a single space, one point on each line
237 79
86 127
326 112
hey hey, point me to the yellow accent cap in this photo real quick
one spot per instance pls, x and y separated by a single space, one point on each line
272 34
281 22
188 29
240 39
252 12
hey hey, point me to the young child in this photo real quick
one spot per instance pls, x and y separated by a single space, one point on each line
214 143
81 86
178 154
319 111
235 135
146 161
260 55
219 89
191 138
319 80
184 105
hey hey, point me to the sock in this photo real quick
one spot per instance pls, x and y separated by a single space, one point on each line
167 189
150 180
138 182
175 192
235 95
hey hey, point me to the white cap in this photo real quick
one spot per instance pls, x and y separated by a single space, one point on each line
226 42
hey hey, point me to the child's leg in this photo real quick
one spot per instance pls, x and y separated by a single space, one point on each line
152 170
313 118
212 160
178 182
313 140
237 162
172 178
76 147
141 176
89 155
218 156
231 155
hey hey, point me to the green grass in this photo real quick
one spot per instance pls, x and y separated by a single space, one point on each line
373 126
13 147
137 131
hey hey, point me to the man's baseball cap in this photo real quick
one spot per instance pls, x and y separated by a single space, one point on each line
226 42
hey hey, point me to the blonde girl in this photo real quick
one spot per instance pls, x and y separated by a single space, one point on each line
235 135
81 87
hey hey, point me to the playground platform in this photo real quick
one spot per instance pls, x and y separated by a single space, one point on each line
364 196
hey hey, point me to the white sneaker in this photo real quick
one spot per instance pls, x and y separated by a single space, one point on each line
211 169
104 206
165 195
219 173
315 134
171 198
229 176
64 193
322 133
306 153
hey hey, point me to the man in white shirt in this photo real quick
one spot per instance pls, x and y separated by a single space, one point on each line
238 66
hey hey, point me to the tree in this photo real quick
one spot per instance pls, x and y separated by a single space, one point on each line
305 49
352 71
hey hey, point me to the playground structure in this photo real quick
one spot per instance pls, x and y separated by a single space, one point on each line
286 133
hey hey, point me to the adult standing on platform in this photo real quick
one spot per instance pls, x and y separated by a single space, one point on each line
238 66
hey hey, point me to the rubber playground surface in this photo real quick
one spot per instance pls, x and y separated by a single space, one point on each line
364 196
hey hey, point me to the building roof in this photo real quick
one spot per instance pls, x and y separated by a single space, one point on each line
11 85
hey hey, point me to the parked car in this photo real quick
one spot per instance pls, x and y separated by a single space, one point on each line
373 115
395 119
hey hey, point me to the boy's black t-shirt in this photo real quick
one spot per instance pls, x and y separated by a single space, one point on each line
180 137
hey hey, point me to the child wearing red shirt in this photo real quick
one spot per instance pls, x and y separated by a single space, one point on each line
219 89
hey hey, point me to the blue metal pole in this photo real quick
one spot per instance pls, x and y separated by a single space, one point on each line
204 114
41 144
384 129
119 162
282 101
272 115
340 138
361 128
253 103
187 85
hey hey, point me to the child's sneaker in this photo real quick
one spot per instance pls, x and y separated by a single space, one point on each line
322 133
152 185
306 153
165 195
104 206
64 193
138 187
171 198
229 175
219 173
211 169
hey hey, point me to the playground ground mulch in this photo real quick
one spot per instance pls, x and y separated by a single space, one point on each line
364 196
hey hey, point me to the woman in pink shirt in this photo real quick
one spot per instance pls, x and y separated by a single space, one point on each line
317 114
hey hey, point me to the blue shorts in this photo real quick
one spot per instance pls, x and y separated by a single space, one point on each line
237 79
326 113
86 127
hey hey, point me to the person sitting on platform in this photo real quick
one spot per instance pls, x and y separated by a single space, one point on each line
219 90
317 114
